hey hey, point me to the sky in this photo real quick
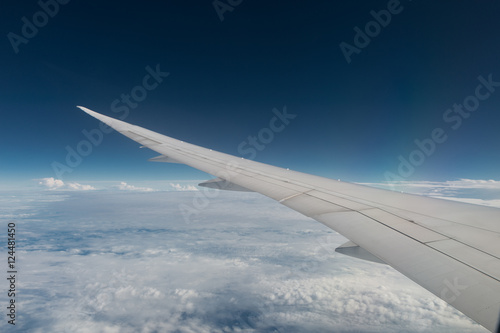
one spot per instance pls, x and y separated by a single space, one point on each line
362 91
360 98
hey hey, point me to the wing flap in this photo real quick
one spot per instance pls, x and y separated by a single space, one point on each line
222 184
408 228
462 286
147 142
475 258
165 159
354 250
349 204
479 238
310 206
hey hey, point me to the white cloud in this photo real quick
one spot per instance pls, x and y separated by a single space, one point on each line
476 191
482 202
474 183
126 187
57 184
461 183
51 182
179 187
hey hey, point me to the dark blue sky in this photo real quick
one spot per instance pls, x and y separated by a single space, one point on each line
355 121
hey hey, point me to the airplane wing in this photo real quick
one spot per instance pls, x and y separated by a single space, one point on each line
450 248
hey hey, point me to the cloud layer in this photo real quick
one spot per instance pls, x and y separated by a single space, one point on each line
476 191
127 261
51 183
57 184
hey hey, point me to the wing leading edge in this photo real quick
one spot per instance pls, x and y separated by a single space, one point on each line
452 249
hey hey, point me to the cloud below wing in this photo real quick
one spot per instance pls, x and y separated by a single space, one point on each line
128 261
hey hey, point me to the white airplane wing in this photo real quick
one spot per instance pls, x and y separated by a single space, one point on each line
450 248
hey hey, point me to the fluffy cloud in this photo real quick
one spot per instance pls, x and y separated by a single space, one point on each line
179 187
126 187
57 184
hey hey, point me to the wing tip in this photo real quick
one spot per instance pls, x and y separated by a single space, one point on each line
84 109
94 114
